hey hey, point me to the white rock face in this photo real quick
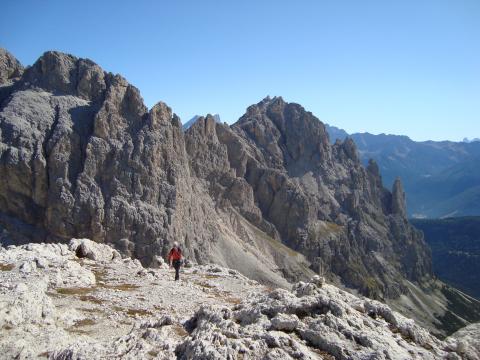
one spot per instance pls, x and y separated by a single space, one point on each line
85 248
310 321
57 304
466 342
82 301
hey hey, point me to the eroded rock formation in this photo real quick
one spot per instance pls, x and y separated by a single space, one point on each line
81 156
83 301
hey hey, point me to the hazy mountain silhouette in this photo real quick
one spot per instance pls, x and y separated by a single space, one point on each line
441 178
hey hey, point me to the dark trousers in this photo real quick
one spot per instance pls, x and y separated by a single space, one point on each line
176 264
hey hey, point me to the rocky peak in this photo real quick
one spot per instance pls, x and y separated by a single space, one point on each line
83 157
10 67
161 114
192 121
261 106
350 149
399 206
287 134
206 126
65 74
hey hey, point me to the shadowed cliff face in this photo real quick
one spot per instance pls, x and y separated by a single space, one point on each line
317 198
81 156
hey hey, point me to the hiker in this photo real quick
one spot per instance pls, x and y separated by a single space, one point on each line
175 259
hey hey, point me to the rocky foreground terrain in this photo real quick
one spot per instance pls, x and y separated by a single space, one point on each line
81 156
82 300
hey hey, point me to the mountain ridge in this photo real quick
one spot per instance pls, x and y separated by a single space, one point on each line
429 171
192 121
269 196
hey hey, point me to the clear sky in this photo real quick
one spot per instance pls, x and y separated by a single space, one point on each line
402 67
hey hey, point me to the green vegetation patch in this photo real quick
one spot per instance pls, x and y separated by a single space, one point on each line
455 244
75 291
78 327
92 299
90 310
211 276
132 312
6 267
138 312
84 322
460 305
121 287
180 331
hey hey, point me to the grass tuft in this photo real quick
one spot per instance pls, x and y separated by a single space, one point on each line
75 291
6 267
180 331
138 312
84 322
92 299
121 287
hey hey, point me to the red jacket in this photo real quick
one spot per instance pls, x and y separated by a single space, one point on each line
175 254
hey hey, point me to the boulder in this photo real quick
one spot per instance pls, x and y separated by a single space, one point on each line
85 248
284 322
159 263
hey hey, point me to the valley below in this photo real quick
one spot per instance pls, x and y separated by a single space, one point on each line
455 244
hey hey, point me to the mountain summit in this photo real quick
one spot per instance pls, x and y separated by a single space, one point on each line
195 118
82 157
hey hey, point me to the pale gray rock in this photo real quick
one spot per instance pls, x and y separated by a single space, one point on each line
284 322
318 280
85 248
159 262
10 67
77 308
301 326
466 342
216 314
82 157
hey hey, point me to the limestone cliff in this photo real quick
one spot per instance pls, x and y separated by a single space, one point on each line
81 156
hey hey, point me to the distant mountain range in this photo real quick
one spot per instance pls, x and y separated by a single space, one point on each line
441 178
467 140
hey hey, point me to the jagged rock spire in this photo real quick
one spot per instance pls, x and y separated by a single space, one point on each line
90 161
399 205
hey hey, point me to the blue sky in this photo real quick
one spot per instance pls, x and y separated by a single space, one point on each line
402 67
